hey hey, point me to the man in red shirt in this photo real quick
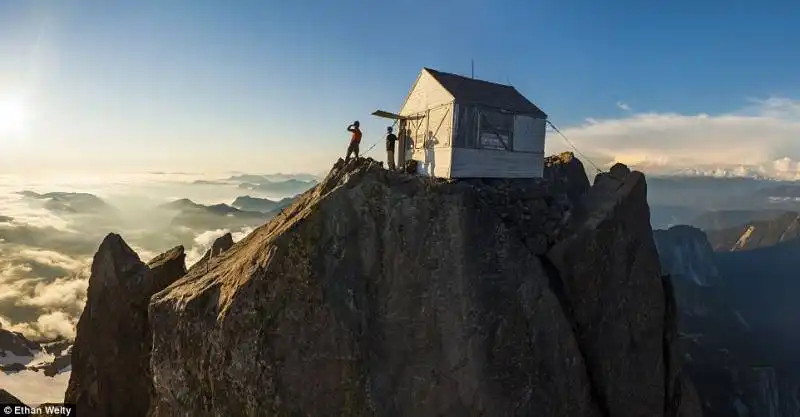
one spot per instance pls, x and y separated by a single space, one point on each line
355 140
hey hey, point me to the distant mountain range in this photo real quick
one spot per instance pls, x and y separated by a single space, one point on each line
757 234
274 178
73 203
274 184
281 187
677 200
263 205
725 219
245 211
199 216
737 288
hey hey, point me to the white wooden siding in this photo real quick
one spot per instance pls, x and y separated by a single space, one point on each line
528 134
440 123
426 94
485 163
439 158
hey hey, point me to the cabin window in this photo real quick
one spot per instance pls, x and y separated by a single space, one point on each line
496 130
466 128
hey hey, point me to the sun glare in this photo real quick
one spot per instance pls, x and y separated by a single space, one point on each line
12 116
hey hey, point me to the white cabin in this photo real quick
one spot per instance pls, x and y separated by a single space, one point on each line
460 127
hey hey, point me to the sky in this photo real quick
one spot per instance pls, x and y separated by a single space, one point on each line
262 86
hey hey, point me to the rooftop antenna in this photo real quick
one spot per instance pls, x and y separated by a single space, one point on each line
473 68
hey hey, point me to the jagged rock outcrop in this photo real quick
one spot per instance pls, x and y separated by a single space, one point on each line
110 358
569 171
613 294
220 245
380 293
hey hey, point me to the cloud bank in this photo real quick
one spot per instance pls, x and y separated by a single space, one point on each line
46 251
763 136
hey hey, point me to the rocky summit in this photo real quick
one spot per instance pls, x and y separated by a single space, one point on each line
386 294
110 357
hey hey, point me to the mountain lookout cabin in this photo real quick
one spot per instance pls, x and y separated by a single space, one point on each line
460 127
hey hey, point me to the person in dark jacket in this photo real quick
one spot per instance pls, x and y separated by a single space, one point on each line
391 139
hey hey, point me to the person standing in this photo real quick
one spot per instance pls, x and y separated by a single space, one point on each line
430 157
355 140
391 139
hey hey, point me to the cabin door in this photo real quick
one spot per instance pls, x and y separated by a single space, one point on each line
401 142
405 136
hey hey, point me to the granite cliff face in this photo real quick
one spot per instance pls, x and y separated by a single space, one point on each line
386 294
735 371
110 358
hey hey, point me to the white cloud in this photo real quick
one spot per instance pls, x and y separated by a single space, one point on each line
46 305
61 294
53 259
623 106
49 326
762 136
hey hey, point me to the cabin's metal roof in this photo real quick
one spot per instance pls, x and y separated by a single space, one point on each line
471 91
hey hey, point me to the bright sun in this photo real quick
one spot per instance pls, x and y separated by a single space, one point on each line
12 116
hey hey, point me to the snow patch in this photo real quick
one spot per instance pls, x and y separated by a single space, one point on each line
37 357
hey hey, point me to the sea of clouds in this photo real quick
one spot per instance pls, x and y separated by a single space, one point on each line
45 255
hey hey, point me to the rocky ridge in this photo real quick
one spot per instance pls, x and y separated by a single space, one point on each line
380 293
